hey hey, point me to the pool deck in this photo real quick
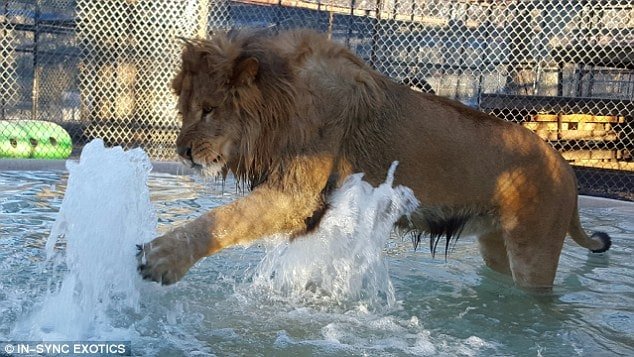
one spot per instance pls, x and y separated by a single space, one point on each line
176 168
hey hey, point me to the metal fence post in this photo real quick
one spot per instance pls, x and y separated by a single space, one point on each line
35 93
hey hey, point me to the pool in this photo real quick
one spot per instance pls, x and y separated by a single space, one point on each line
453 307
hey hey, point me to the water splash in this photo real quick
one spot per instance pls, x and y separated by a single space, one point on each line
342 261
105 211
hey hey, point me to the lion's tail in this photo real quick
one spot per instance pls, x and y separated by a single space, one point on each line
599 242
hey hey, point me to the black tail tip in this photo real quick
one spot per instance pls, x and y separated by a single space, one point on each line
605 238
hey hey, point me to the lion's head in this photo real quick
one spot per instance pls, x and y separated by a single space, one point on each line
250 102
235 101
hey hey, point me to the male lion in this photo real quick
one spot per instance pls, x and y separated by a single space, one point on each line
293 114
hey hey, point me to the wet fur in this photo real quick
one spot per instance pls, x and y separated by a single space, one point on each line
293 114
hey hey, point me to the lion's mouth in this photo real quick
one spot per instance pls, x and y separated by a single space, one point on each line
206 159
203 169
211 170
207 170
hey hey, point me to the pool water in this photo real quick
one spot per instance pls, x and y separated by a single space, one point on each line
452 307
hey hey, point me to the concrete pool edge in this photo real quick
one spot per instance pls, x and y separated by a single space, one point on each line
602 202
176 168
165 167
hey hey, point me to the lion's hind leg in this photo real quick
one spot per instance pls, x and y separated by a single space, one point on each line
533 249
493 251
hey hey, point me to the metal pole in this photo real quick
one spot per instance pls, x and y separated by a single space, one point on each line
560 78
462 42
35 94
375 34
5 64
485 49
277 14
203 18
412 61
331 23
350 23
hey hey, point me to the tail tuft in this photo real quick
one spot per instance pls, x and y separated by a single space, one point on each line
605 238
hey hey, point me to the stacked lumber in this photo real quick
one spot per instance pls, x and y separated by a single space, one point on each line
581 128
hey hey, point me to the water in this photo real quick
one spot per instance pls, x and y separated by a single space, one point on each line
275 298
105 211
341 263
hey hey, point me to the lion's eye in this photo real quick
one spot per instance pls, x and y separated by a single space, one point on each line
208 110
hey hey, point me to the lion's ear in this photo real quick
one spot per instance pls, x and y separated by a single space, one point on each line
245 71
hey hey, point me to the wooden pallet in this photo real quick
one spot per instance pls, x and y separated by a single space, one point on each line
554 127
580 128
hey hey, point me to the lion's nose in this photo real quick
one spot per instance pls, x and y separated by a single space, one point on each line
184 152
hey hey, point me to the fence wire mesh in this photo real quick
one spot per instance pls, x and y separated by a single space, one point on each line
564 69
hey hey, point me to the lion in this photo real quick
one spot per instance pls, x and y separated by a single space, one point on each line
292 114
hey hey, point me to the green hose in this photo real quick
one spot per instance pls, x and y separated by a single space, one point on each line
34 139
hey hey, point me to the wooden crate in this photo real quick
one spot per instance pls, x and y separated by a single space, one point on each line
575 126
599 138
592 155
579 127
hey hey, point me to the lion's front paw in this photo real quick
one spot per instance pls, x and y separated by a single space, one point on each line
166 259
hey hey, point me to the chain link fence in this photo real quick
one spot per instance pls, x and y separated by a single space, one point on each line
564 69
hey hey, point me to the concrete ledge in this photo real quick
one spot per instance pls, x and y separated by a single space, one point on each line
31 165
167 167
171 167
600 202
176 168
